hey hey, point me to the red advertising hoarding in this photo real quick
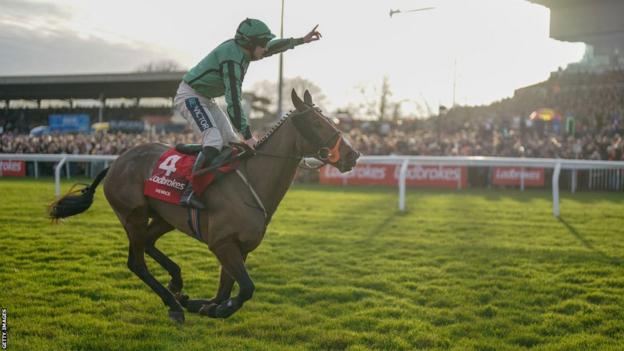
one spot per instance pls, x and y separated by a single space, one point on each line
513 176
12 168
377 174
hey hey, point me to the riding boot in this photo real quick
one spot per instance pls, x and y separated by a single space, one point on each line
204 158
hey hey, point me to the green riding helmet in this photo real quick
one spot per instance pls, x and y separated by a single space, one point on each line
252 32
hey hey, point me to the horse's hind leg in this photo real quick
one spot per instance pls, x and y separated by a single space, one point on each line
136 263
157 228
175 284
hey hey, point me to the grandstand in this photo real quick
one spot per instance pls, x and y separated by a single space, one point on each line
29 100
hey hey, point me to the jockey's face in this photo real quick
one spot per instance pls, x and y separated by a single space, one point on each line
259 52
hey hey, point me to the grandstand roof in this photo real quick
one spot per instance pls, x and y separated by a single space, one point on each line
90 86
595 22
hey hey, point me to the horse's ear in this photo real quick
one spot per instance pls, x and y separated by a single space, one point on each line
307 98
299 105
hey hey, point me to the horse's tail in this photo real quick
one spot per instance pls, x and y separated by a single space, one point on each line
75 201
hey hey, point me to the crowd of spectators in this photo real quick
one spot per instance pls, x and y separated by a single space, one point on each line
100 143
487 139
594 104
590 124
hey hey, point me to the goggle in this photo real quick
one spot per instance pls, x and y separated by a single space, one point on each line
262 42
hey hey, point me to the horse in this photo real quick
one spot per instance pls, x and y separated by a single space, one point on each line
238 209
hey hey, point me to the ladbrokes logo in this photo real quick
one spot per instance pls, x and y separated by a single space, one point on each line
359 172
166 181
430 173
515 174
8 166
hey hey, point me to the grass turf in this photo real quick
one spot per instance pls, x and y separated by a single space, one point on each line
338 269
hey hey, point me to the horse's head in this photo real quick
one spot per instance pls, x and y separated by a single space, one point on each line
321 138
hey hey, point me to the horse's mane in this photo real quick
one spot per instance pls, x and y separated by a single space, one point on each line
276 126
273 129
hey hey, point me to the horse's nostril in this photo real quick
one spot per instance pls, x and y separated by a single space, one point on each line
353 156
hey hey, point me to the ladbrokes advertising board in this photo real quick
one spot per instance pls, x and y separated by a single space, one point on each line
425 176
12 168
513 176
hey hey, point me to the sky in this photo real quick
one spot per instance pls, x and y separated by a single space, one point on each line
467 51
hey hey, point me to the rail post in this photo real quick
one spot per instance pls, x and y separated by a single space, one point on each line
555 189
57 176
402 176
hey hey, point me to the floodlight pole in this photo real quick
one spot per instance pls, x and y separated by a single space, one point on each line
281 68
101 109
454 81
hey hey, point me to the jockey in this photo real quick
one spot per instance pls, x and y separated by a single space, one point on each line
220 73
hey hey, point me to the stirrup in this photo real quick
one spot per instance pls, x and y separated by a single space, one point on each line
190 200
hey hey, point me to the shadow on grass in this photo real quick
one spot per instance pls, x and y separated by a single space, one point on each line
493 193
614 260
381 227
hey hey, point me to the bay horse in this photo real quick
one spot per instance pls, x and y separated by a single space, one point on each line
238 208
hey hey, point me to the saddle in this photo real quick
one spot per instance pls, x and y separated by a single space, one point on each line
173 171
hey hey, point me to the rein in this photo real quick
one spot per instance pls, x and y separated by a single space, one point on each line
324 153
303 159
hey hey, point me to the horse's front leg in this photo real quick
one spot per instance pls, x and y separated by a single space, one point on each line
233 263
226 282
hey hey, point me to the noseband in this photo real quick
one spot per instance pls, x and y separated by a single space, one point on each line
328 155
328 151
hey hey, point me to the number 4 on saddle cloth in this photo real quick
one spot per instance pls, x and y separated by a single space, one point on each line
172 172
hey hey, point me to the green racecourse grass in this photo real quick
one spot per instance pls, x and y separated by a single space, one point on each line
338 269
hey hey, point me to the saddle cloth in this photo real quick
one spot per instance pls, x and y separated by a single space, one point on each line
173 172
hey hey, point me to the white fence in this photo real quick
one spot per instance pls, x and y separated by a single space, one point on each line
556 164
62 159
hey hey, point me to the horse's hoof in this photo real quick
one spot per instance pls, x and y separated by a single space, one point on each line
223 310
182 298
226 309
177 316
209 310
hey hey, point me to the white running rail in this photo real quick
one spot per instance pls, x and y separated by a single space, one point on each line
403 161
62 159
556 164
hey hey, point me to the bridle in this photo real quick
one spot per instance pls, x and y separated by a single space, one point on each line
327 151
324 154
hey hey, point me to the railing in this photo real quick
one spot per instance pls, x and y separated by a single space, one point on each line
597 168
62 159
556 164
